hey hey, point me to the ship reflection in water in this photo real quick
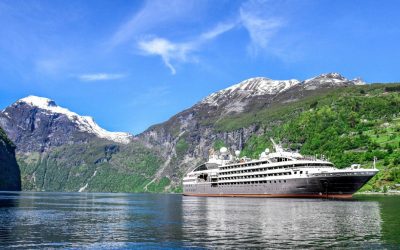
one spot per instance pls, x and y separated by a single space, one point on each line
282 222
106 220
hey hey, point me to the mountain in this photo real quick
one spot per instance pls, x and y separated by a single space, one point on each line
347 118
198 122
37 124
59 150
261 90
186 138
10 177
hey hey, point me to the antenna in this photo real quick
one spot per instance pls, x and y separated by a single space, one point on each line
374 162
273 142
277 147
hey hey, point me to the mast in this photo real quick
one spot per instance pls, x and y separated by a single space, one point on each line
277 147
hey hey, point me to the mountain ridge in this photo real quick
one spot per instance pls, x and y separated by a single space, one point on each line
172 147
40 119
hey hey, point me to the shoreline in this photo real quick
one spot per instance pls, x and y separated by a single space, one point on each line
379 193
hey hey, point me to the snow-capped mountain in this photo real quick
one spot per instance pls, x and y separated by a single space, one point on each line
250 88
264 90
83 123
330 80
51 125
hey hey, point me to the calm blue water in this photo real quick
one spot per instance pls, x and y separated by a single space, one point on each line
113 221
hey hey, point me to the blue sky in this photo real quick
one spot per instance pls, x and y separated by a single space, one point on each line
131 64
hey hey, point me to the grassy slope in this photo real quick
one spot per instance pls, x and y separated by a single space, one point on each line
348 125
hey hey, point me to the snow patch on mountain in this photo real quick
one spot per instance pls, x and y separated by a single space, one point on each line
331 80
84 123
358 81
250 87
236 97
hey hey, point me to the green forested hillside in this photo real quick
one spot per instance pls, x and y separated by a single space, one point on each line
348 125
103 165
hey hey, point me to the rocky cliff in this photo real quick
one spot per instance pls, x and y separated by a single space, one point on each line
10 177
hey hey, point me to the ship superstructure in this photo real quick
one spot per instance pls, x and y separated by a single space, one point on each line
275 174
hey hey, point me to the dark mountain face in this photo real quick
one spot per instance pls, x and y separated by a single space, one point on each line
10 177
33 129
36 124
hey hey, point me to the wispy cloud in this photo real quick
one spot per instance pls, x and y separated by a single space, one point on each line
218 30
100 77
153 14
180 52
167 50
260 24
255 16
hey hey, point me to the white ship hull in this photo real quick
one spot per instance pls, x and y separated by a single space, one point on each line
278 174
313 187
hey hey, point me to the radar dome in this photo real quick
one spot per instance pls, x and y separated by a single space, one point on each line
267 150
237 153
223 150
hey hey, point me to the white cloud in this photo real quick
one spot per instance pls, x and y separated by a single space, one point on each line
218 30
257 17
100 77
153 14
166 50
262 24
170 51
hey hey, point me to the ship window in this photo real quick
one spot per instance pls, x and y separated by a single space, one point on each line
301 172
284 181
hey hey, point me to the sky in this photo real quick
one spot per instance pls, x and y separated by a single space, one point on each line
132 64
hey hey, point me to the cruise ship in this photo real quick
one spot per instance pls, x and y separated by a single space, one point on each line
275 174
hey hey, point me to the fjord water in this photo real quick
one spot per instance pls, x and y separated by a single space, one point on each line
115 220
